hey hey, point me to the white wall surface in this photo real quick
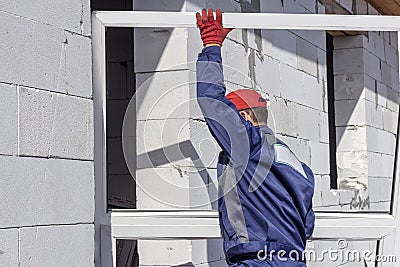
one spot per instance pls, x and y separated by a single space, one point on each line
46 129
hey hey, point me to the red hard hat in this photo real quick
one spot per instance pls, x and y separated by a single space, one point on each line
246 98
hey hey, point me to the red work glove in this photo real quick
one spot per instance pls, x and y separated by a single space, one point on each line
211 31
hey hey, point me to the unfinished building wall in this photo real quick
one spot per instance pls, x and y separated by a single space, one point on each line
289 67
46 129
366 90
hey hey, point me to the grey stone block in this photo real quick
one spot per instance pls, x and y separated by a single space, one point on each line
75 76
9 247
35 122
306 57
70 15
63 245
8 119
162 95
46 191
43 56
55 125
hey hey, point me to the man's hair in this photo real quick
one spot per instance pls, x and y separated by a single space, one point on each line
258 114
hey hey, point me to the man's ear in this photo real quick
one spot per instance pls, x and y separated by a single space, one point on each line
245 115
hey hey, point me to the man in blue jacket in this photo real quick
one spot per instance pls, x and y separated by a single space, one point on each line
265 203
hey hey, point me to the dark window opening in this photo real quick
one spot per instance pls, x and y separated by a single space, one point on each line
120 77
331 111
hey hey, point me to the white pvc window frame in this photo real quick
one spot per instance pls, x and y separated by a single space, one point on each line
187 224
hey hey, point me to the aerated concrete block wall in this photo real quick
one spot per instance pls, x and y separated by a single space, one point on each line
46 129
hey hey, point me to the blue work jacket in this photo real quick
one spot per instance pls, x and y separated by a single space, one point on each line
265 192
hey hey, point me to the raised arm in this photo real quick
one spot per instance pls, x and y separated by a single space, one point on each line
224 121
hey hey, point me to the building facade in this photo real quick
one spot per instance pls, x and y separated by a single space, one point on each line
333 97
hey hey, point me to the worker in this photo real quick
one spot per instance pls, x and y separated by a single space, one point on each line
265 192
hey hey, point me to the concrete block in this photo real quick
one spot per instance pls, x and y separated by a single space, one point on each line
205 150
42 187
395 79
361 8
327 198
392 56
307 57
370 85
380 206
236 64
8 119
308 123
309 5
380 165
163 142
291 90
368 41
394 40
284 47
381 141
63 245
72 134
195 44
379 46
300 147
380 189
273 6
163 188
169 252
319 182
45 57
372 10
393 100
350 86
268 76
203 188
373 115
348 42
371 66
351 138
35 106
162 95
386 74
381 94
55 125
353 164
317 38
9 250
389 121
322 70
350 112
347 4
76 20
267 42
283 117
293 7
323 127
163 5
348 61
75 76
157 49
386 36
320 158
208 253
321 8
